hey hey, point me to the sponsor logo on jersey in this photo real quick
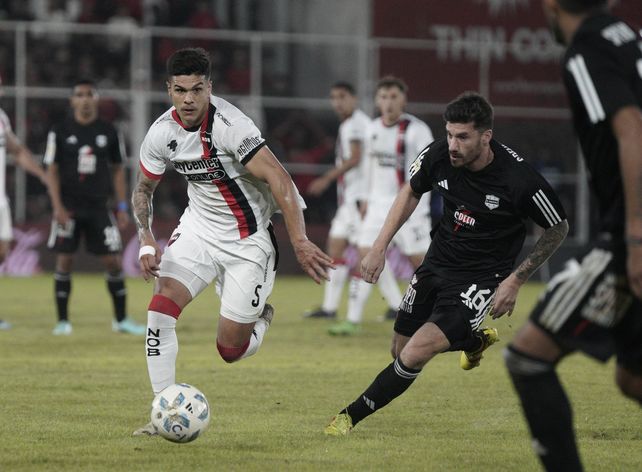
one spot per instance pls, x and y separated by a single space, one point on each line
491 202
101 140
463 218
385 159
193 170
223 119
248 145
512 153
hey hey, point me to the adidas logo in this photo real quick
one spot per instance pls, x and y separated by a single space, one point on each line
189 408
444 184
369 402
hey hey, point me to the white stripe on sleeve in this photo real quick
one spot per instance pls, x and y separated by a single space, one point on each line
591 100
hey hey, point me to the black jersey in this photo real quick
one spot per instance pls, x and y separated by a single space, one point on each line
603 73
483 226
84 154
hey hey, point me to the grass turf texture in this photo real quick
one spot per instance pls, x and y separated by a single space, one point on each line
71 403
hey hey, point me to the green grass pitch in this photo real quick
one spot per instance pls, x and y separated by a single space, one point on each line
71 403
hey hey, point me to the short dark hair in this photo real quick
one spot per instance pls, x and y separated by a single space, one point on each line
470 107
392 81
347 86
189 61
581 6
84 81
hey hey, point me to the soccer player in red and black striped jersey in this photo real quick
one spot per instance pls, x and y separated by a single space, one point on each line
235 184
488 192
594 305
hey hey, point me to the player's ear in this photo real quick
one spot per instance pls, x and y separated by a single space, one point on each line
487 135
169 88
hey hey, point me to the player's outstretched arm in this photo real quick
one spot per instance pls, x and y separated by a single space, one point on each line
403 206
627 127
24 158
150 254
265 166
506 293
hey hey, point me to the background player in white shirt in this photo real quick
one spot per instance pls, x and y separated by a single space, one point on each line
10 142
393 141
349 174
234 184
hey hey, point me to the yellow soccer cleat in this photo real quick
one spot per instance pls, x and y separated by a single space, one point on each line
340 425
470 360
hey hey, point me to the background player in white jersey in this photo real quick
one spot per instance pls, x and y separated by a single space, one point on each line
393 142
10 142
349 175
234 184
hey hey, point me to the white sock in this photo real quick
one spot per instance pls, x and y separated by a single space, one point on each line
260 328
359 293
334 288
161 347
389 288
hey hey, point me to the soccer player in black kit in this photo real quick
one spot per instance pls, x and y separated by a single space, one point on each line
594 304
488 192
85 166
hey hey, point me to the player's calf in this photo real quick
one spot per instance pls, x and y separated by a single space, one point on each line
234 353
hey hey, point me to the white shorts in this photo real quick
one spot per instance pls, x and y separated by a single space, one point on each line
6 233
412 238
244 270
346 222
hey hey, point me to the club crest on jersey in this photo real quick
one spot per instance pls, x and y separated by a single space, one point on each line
101 140
492 202
464 219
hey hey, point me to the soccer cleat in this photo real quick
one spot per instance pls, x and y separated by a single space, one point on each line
268 313
128 326
470 360
345 328
340 425
4 325
320 313
62 328
147 430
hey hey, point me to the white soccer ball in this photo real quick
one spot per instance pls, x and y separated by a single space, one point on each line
180 413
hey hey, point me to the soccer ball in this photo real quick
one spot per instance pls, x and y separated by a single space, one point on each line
180 413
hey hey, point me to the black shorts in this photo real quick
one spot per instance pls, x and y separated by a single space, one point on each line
588 307
457 308
98 229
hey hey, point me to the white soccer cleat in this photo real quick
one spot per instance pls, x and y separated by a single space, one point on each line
147 430
268 313
62 328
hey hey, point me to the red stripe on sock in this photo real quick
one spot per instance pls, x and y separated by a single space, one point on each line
340 261
164 305
231 354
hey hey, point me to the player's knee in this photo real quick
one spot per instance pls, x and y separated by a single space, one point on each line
629 384
519 363
231 354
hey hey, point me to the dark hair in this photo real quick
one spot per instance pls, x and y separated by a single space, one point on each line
392 81
189 61
470 107
581 6
347 86
84 81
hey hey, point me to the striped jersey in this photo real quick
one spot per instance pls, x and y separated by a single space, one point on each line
350 185
5 128
226 202
390 151
602 74
483 226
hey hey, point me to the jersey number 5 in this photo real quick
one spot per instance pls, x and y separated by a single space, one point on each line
256 301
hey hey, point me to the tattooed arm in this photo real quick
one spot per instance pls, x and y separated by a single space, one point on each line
143 213
547 244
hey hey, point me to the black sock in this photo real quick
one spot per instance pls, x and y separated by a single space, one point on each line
62 290
116 286
389 384
547 411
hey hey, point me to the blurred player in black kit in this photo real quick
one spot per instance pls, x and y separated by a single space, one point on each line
85 166
488 192
594 304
